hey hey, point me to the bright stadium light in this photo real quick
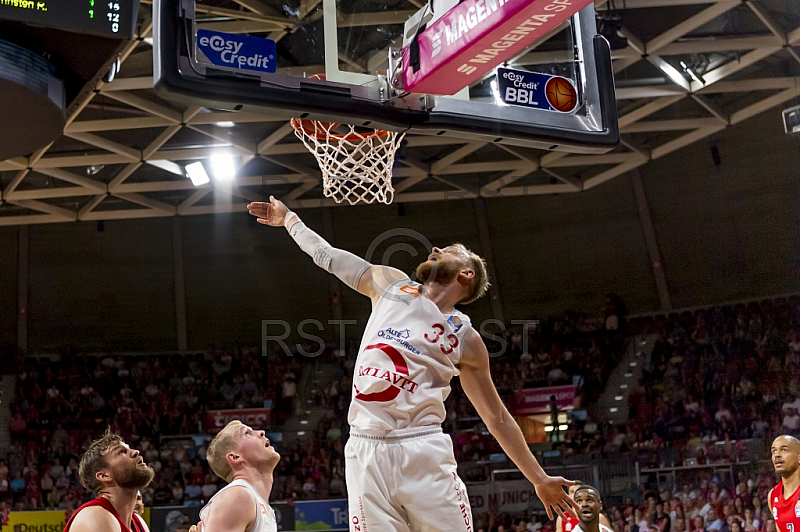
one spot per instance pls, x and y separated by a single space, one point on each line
197 173
223 167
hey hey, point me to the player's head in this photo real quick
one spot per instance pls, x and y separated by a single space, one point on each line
138 508
589 505
238 447
785 453
458 263
109 462
572 489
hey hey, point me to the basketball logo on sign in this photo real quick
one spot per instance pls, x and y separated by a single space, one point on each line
561 94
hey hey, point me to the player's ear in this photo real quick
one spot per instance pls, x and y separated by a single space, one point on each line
102 476
233 458
467 273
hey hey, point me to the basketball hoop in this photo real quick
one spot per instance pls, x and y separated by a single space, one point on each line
356 166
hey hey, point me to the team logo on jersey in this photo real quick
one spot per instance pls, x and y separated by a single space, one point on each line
398 379
797 509
410 290
455 323
399 336
388 331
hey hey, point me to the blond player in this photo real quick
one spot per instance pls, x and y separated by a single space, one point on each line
400 469
244 458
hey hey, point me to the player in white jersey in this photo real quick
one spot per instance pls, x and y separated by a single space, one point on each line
400 469
244 458
589 506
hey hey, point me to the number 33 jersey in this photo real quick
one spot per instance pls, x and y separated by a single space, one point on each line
408 355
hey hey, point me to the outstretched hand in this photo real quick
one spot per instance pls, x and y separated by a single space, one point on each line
271 213
551 492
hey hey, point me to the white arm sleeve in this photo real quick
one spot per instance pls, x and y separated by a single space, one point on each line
347 267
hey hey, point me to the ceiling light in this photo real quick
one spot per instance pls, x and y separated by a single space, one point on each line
498 100
226 123
689 69
613 409
197 173
222 167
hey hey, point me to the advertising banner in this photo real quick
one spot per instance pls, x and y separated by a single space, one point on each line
513 496
321 515
173 518
41 521
216 420
537 400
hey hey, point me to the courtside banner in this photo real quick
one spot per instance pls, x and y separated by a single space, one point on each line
537 400
477 35
41 521
321 515
215 420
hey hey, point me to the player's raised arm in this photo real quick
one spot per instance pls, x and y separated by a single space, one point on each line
368 279
476 380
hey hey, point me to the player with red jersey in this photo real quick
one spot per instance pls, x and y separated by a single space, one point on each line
784 499
115 472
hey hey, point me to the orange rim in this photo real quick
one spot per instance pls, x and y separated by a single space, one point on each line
320 131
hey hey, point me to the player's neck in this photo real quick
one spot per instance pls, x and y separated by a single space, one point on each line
261 481
791 483
593 526
445 296
123 500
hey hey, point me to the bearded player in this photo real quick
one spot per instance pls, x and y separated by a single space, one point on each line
243 458
784 499
115 473
400 469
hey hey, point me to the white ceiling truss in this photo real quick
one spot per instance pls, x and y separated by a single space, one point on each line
123 149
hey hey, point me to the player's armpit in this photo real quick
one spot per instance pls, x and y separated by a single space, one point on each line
377 278
94 519
233 510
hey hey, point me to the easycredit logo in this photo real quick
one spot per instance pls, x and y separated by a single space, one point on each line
237 51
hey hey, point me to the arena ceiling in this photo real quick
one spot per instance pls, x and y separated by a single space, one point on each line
123 149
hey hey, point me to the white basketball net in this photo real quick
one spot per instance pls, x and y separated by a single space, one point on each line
356 167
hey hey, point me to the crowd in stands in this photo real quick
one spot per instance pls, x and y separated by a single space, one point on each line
704 501
718 374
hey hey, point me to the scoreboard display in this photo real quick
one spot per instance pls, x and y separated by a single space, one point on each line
107 18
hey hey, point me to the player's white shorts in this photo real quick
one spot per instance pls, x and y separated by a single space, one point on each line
405 481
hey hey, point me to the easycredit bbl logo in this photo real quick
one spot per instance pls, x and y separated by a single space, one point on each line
237 51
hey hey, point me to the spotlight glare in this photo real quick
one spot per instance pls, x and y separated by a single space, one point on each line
223 167
197 173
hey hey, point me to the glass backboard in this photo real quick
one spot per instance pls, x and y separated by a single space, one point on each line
533 75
